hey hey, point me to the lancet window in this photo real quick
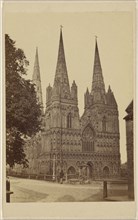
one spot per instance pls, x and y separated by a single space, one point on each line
69 121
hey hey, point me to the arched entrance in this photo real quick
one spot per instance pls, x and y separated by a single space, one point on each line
106 171
71 170
89 170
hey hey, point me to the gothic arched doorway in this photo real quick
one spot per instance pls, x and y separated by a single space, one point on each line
106 171
89 170
71 170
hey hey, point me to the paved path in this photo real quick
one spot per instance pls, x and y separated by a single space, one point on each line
28 190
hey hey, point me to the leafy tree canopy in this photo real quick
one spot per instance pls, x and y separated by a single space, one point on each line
22 109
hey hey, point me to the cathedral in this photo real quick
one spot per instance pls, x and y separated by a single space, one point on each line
86 145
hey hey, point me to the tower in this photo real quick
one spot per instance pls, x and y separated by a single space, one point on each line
100 125
62 132
130 149
33 146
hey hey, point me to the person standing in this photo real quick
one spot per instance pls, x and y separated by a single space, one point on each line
61 176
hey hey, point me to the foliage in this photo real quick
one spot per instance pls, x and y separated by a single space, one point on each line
22 109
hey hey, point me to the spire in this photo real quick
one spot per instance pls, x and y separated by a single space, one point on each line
61 76
97 62
98 87
37 79
36 65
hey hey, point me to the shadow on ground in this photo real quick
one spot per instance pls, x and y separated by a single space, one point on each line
97 197
66 198
69 198
25 195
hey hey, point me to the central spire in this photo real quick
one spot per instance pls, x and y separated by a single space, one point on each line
61 76
98 87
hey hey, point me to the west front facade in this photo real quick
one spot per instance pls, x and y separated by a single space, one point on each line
86 145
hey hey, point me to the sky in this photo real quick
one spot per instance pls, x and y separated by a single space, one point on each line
34 25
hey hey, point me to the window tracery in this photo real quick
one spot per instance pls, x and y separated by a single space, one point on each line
88 140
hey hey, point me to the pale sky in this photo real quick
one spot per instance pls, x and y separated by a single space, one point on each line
34 25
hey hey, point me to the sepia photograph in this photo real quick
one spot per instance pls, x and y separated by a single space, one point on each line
69 73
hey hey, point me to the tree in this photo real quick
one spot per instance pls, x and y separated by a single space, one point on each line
22 109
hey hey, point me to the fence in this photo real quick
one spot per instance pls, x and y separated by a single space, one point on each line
32 176
41 176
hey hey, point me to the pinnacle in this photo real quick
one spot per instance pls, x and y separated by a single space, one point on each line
87 90
109 89
74 83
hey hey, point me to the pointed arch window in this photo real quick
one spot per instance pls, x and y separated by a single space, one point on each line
104 124
69 121
88 140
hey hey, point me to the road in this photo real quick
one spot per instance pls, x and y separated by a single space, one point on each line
28 190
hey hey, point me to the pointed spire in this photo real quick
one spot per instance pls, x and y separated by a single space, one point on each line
98 87
61 69
36 73
37 79
36 58
97 62
61 76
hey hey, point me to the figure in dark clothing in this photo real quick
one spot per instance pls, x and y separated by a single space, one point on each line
61 176
58 178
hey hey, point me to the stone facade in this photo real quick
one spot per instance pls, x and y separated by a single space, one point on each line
130 150
87 145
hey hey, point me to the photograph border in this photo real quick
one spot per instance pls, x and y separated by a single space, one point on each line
67 210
